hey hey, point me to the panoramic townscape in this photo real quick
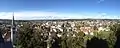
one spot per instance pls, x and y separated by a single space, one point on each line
59 23
58 33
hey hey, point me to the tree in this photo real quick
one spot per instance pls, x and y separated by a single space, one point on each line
97 43
25 35
116 29
29 37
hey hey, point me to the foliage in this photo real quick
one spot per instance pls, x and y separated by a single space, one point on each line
115 35
25 35
28 38
116 29
31 38
111 40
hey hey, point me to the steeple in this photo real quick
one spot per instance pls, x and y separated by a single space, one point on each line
13 30
13 23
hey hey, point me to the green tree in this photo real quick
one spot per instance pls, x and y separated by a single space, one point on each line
29 37
25 35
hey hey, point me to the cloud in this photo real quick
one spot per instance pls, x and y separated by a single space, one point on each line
99 1
30 15
26 14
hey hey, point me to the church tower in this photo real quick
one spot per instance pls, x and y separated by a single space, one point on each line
13 30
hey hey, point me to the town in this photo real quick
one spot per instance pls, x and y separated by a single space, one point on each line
59 23
49 30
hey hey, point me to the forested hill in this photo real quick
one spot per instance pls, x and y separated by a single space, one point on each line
7 21
61 19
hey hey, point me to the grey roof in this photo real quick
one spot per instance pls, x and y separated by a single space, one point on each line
4 44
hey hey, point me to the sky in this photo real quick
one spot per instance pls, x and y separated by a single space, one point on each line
59 9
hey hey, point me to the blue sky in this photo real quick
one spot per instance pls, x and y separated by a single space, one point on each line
29 9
